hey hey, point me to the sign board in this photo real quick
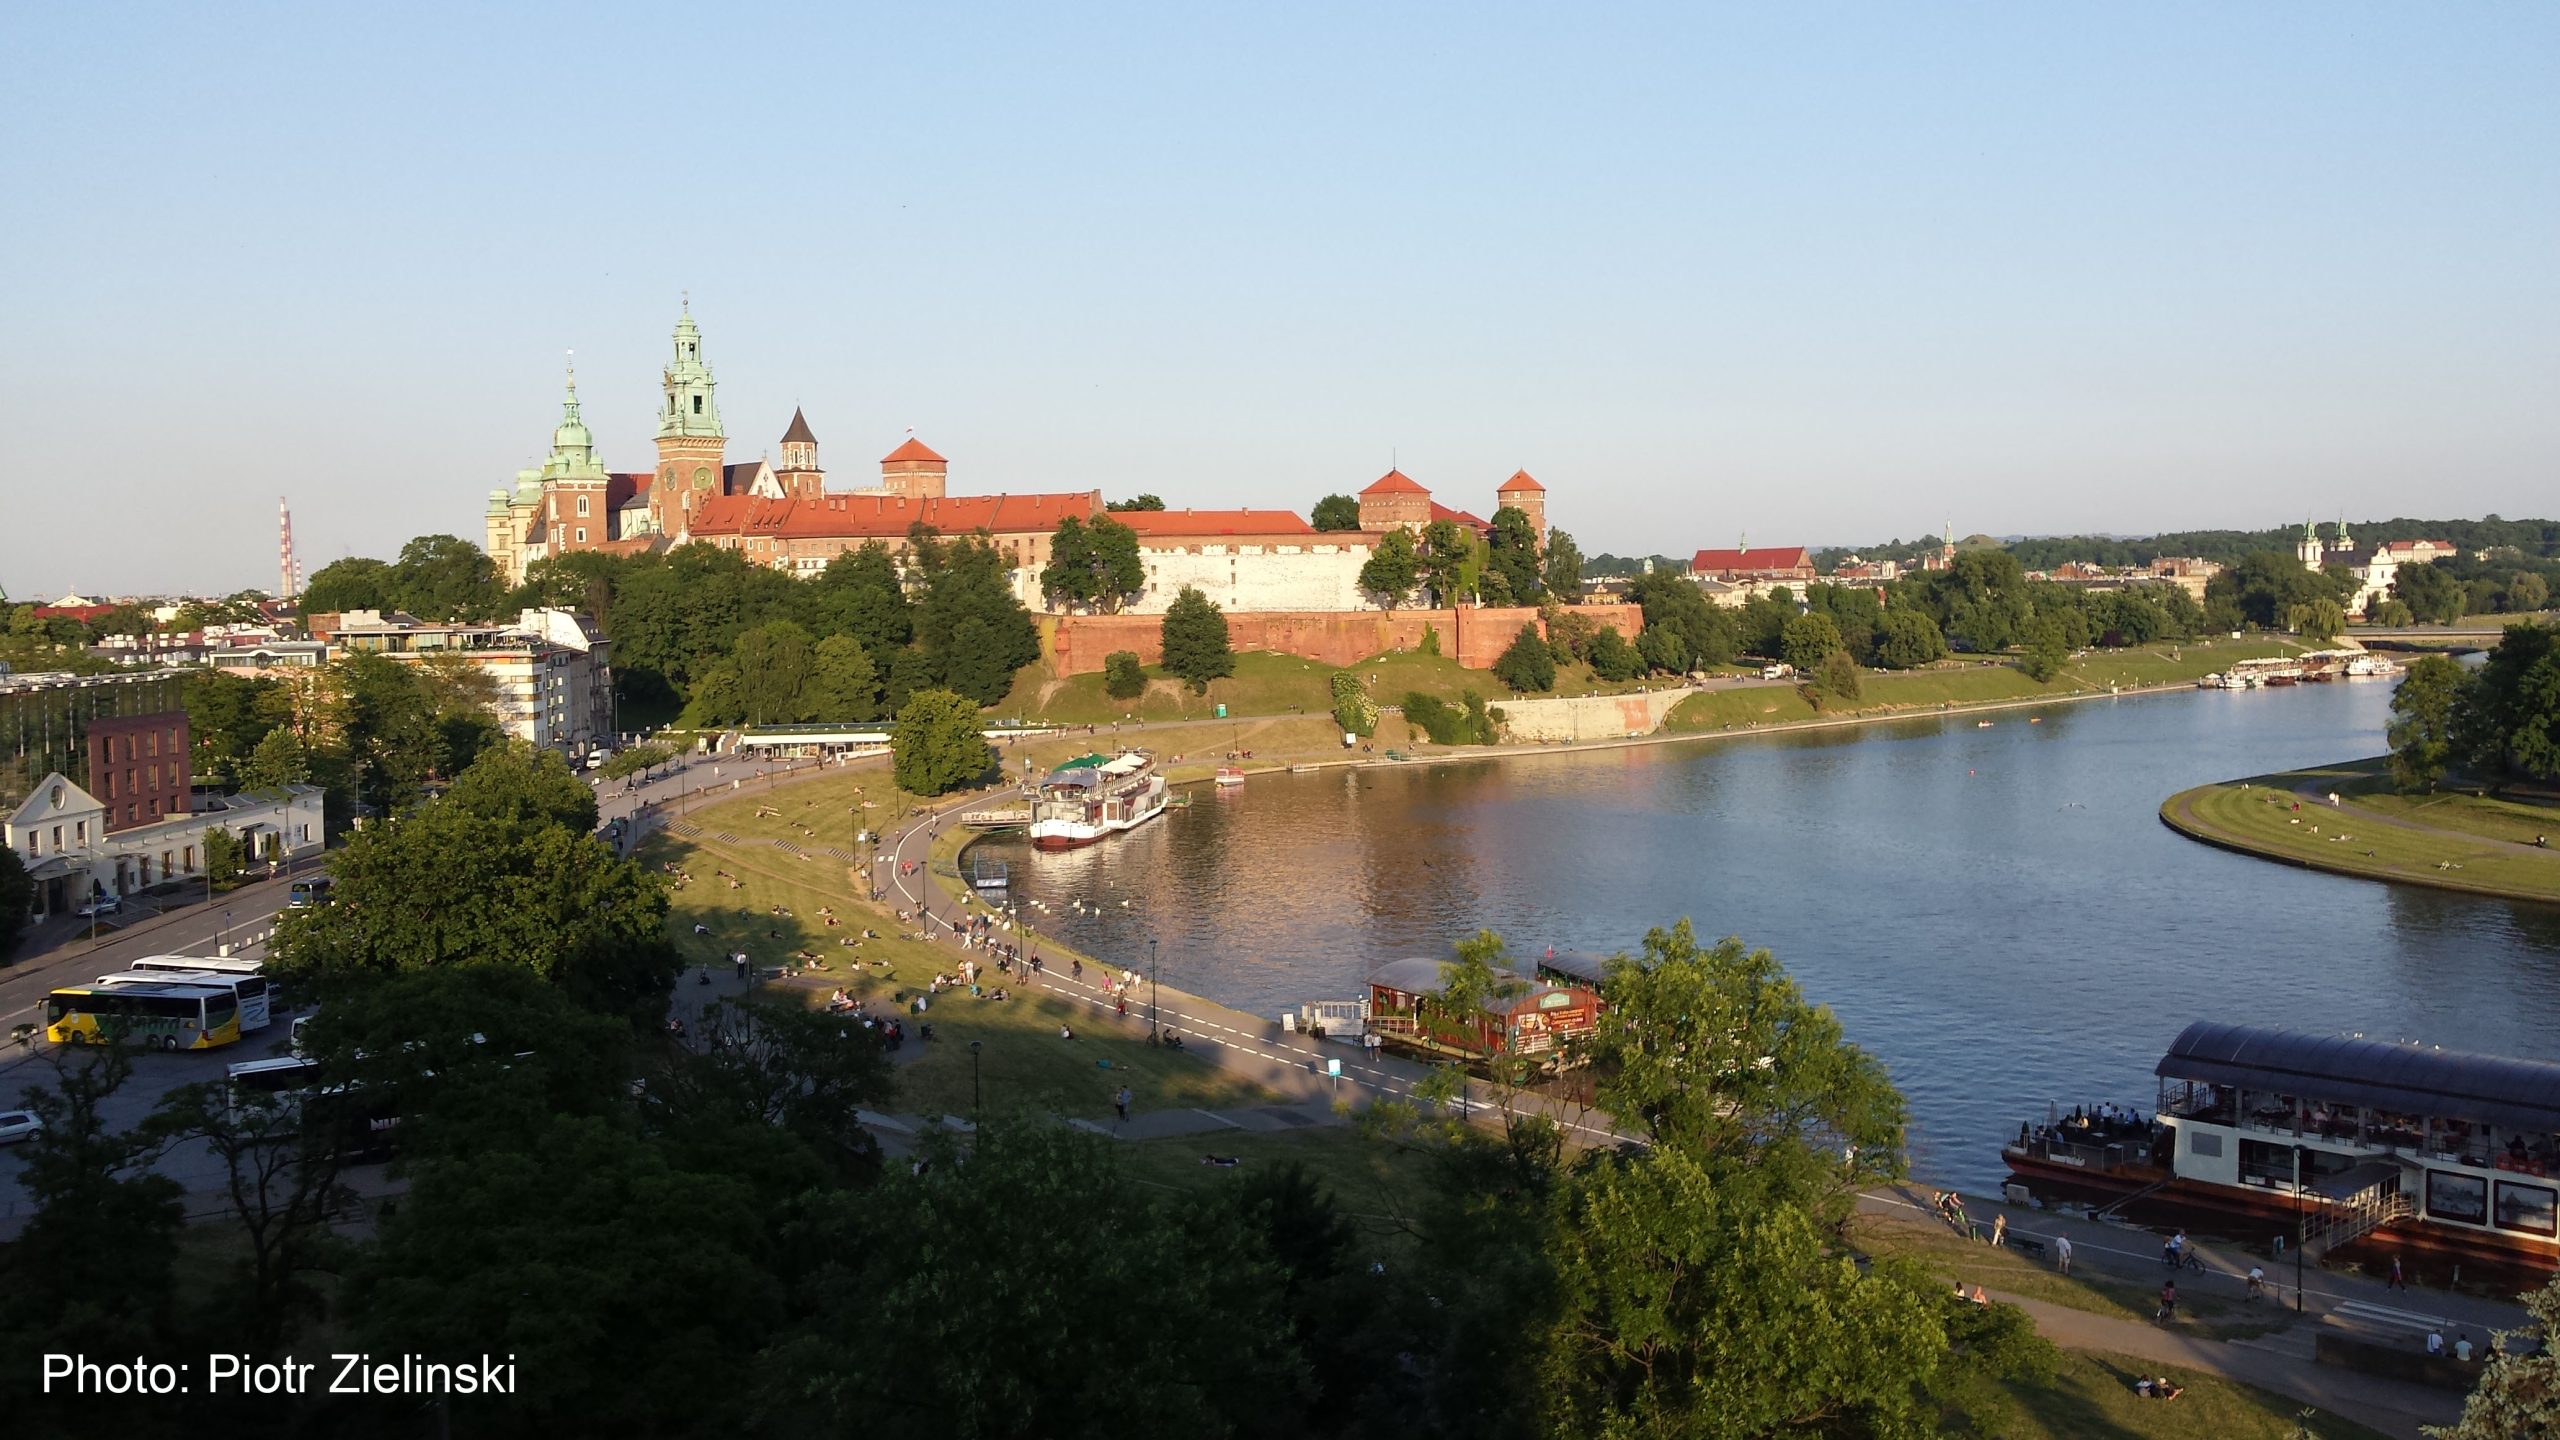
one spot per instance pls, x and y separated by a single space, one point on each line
1333 1068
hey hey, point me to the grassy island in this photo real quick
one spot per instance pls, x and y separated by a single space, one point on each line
2449 840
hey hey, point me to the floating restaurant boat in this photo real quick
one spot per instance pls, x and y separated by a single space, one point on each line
1093 796
1230 775
2350 1140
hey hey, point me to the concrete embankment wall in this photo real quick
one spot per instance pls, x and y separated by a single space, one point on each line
1475 637
1589 717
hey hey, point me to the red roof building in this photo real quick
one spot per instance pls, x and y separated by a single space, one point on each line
1789 562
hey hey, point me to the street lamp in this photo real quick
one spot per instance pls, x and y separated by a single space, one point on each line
1152 1008
223 946
2297 1228
976 1097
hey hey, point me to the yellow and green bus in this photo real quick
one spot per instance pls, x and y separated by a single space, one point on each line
161 1017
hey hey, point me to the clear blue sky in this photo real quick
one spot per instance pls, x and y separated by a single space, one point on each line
1814 273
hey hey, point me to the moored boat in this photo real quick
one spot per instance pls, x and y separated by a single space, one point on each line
2337 1141
1229 775
1093 796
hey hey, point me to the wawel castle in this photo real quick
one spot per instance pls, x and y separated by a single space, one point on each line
785 516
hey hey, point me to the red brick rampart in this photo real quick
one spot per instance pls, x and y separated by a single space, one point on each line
1474 637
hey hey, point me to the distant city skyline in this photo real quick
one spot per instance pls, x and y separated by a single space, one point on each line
1822 279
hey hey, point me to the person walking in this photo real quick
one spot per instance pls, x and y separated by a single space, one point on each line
1999 1231
1120 1102
2398 1281
2168 1302
2062 1253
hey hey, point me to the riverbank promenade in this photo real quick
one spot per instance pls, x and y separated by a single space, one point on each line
2116 1273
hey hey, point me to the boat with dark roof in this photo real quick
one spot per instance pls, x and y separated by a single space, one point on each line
2342 1140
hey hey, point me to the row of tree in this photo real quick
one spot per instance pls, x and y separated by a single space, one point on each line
1449 563
2495 725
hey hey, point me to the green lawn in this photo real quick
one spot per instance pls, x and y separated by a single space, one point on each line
1022 1060
2461 850
1973 1263
1379 1182
1268 684
2091 1394
1971 681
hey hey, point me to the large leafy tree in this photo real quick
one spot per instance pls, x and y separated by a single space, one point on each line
1683 629
938 744
442 577
1166 1321
1562 569
2507 716
1909 640
1336 512
353 583
2432 594
390 731
973 631
1512 553
774 663
1194 634
1450 562
842 684
1094 564
17 897
1527 664
2422 722
870 597
511 874
1809 640
2517 1395
1068 578
1393 568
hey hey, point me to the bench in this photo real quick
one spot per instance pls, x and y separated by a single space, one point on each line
2026 1245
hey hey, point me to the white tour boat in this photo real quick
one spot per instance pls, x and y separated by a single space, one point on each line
1090 797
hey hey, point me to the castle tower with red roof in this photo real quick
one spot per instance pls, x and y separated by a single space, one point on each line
1523 493
1395 501
914 470
798 473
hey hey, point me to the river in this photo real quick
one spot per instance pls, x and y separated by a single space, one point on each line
1997 913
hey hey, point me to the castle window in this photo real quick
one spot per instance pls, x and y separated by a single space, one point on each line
697 404
582 534
582 504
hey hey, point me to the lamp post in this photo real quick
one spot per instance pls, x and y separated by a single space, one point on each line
2297 1228
1152 1009
976 1097
223 946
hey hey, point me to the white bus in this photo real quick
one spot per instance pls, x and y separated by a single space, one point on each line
243 978
284 1080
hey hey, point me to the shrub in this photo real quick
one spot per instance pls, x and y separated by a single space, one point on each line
1466 723
1196 647
1353 710
1612 658
1528 665
1123 676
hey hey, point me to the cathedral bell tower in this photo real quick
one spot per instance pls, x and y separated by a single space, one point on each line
691 444
798 474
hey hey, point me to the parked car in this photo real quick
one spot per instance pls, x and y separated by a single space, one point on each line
103 905
17 1125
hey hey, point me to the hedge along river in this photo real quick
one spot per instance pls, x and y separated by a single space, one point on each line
1997 913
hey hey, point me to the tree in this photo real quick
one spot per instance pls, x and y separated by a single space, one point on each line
1910 639
1124 676
442 577
777 1064
614 1279
2316 619
1837 676
354 583
1195 640
1119 571
2506 717
2431 594
938 744
1142 502
2528 591
17 897
1683 629
1808 641
1392 569
890 1315
974 633
773 672
1068 578
511 874
390 732
1336 512
2395 614
866 586
1512 553
842 684
2048 648
278 761
1528 664
227 716
1611 657
280 1178
1449 567
1562 571
224 858
2517 1395
2421 733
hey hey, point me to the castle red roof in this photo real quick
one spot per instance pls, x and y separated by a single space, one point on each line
1520 480
1213 522
829 517
1456 517
621 487
1394 482
914 449
1766 559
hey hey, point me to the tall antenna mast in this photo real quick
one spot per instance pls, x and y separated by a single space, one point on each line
288 574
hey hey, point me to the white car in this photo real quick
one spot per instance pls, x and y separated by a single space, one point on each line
17 1125
103 905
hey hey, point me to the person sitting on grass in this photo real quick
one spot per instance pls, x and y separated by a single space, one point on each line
1066 1032
2161 1389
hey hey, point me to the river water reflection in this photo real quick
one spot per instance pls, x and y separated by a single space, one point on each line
1998 913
